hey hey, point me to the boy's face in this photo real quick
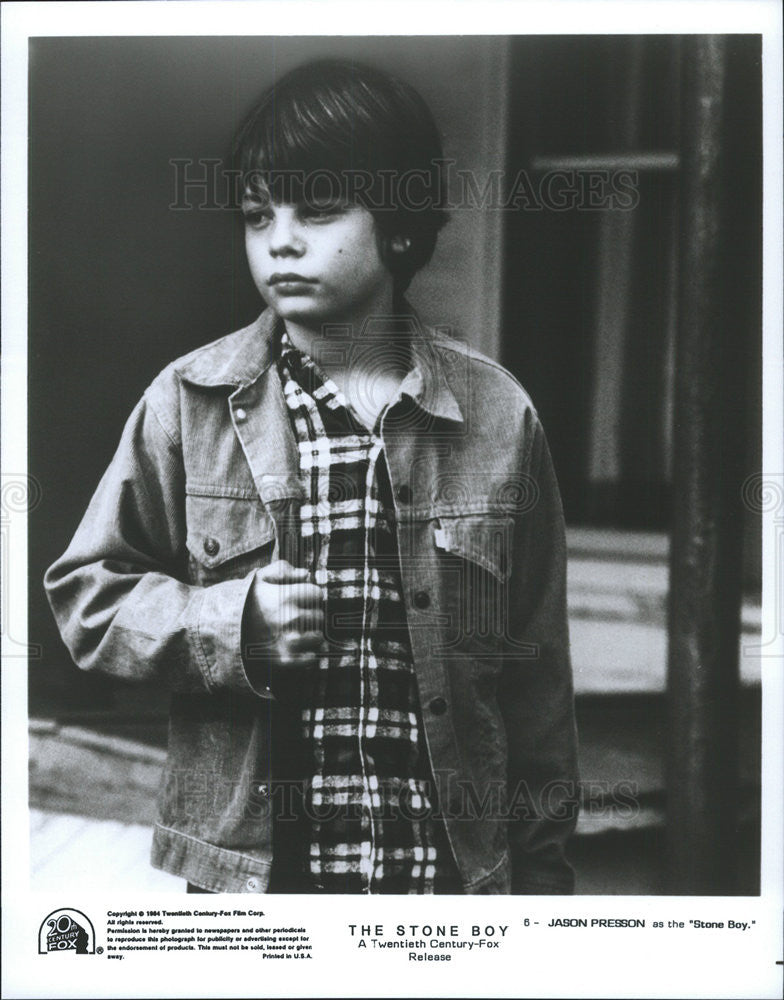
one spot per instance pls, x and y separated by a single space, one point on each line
316 263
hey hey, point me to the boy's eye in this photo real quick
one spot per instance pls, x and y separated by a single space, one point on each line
256 218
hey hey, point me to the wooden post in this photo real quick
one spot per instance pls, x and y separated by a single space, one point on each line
705 559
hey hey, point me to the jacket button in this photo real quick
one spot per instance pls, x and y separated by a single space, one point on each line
262 790
211 546
404 494
252 885
240 415
438 706
421 600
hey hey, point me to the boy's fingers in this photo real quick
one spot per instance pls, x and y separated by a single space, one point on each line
300 642
282 571
305 595
301 650
306 621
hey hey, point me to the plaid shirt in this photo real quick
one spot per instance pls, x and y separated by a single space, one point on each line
369 774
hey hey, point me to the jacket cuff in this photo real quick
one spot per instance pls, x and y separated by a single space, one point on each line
544 885
219 641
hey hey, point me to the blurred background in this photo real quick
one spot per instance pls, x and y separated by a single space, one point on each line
583 300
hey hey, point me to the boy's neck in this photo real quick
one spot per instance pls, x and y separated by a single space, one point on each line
368 370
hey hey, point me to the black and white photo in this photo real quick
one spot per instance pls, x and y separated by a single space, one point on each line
402 496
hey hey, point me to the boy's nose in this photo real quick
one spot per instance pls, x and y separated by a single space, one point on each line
285 238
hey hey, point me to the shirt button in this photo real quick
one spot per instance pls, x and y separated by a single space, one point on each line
404 493
421 600
438 706
240 415
211 546
252 885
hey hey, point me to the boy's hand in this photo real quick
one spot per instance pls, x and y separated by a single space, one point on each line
285 612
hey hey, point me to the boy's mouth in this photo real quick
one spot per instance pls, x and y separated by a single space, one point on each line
290 278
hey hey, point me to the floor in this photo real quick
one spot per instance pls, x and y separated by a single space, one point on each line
94 854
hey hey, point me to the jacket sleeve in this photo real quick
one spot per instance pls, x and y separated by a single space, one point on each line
536 693
119 593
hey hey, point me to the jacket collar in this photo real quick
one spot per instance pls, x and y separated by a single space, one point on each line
237 360
242 357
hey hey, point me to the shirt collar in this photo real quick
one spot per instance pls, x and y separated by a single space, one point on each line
283 347
427 383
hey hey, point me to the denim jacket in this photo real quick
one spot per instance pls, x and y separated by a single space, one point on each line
200 494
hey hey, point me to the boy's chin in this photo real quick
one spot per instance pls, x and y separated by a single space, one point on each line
308 314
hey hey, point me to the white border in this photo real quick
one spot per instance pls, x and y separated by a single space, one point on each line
585 964
772 860
354 17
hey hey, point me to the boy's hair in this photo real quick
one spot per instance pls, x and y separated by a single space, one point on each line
335 128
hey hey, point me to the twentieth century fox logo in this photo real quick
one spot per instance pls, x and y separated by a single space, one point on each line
66 930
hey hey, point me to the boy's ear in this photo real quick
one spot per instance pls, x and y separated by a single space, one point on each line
395 252
400 244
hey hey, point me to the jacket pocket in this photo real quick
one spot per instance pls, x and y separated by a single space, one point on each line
475 565
480 539
227 537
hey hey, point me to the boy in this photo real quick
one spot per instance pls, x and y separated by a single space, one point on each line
337 538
